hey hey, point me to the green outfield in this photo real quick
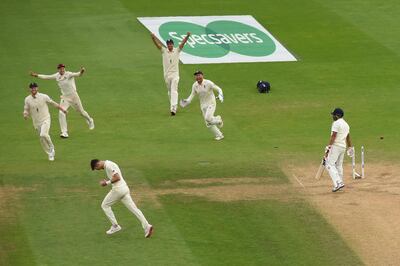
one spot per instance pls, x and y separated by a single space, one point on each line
50 213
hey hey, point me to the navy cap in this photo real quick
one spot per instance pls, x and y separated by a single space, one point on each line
338 111
170 41
33 85
198 72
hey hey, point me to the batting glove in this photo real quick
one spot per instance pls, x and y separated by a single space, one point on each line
221 98
328 148
350 151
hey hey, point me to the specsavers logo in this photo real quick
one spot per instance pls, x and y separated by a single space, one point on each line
219 39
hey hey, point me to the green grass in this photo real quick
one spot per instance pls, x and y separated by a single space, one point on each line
348 56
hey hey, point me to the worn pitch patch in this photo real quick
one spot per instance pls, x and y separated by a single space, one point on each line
366 213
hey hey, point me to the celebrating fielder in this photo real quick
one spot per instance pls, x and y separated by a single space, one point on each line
119 192
69 95
205 89
36 107
334 152
170 59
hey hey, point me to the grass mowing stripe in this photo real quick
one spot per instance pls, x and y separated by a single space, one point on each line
257 232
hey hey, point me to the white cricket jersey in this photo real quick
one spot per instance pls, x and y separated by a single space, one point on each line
111 169
342 128
37 108
65 82
170 61
205 90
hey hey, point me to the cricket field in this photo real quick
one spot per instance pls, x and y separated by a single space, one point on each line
250 199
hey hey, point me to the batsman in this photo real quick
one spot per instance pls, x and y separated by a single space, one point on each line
334 152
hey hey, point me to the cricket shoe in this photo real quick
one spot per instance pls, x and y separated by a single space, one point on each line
149 231
338 187
91 124
220 123
173 113
64 135
221 137
113 229
52 154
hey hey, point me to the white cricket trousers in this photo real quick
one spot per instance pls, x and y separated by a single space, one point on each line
172 86
45 140
211 120
74 101
121 194
334 164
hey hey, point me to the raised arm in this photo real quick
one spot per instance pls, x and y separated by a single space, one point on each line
156 42
184 41
36 75
79 73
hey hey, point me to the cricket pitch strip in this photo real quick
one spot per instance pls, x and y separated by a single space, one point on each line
366 213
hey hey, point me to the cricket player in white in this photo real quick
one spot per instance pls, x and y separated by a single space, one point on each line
119 192
69 95
205 89
170 59
334 152
36 107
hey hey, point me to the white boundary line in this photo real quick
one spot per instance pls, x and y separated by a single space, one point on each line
298 181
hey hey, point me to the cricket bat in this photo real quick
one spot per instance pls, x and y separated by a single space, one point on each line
321 169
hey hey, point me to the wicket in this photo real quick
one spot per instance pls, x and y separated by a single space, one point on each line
353 164
362 162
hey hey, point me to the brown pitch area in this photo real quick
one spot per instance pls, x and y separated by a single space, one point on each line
366 213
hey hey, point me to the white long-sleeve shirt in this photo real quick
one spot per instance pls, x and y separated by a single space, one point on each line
205 90
65 82
37 108
170 61
111 169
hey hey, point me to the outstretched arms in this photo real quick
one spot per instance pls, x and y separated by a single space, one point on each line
156 42
79 73
184 41
36 75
